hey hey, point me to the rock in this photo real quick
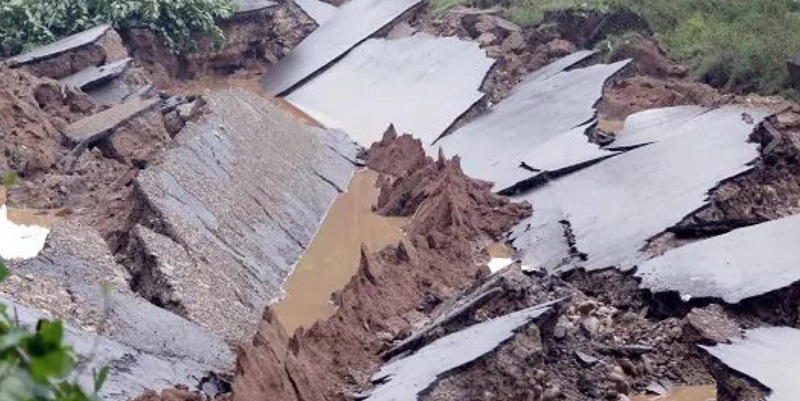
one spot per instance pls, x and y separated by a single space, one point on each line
627 366
585 359
551 393
656 388
585 308
514 41
560 48
591 325
487 38
620 382
647 365
486 23
622 397
710 324
559 332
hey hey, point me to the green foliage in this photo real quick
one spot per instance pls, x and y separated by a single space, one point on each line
28 23
37 365
740 45
9 179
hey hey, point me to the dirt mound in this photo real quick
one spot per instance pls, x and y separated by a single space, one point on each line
32 112
389 292
439 195
650 58
625 96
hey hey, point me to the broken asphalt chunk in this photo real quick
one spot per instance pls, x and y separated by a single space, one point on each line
352 24
420 84
741 264
407 378
493 146
635 195
767 355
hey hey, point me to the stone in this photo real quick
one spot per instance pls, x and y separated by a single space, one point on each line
514 41
591 325
586 359
620 382
711 324
551 394
487 39
560 48
585 308
627 366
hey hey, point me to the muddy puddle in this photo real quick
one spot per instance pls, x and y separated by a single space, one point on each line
333 256
212 84
23 231
684 393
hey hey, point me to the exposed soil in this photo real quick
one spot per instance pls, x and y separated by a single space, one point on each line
607 338
254 41
384 300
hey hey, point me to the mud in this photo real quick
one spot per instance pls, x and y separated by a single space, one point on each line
384 299
332 257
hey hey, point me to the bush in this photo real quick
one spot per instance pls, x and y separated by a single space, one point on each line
25 24
37 365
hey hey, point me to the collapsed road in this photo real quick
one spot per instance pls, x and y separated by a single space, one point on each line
638 259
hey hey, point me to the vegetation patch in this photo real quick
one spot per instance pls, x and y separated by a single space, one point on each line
36 365
738 45
25 24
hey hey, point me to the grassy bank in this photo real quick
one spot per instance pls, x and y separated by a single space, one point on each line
739 45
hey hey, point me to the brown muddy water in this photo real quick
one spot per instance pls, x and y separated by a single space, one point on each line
31 217
685 393
333 256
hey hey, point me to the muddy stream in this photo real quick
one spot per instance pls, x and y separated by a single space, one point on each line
332 257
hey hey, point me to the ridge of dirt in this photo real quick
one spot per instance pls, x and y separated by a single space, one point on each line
385 298
254 41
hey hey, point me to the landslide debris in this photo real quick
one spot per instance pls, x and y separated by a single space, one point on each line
383 301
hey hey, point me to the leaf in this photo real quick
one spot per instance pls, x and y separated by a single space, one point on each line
100 378
13 338
55 365
51 333
3 269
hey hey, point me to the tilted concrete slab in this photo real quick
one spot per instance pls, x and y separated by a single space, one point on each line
98 126
110 94
741 264
319 11
355 22
407 378
241 194
493 146
767 355
245 6
421 84
131 370
555 67
611 209
93 76
77 279
657 124
61 46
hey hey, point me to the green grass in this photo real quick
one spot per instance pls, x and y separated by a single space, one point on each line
9 179
738 45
